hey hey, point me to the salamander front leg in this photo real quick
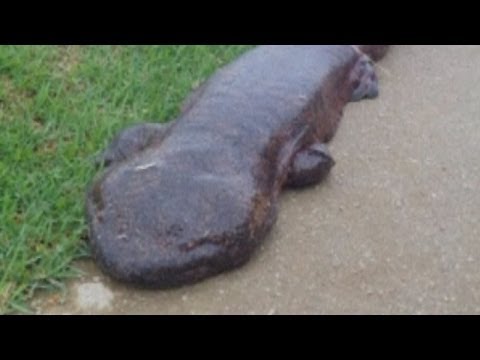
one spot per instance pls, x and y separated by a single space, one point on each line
310 166
132 141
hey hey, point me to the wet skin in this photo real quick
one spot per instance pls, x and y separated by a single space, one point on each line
184 201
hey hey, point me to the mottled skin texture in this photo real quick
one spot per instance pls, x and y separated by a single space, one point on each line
185 201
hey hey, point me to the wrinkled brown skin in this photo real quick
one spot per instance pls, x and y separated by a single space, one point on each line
183 202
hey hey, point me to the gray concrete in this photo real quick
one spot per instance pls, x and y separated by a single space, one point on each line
394 230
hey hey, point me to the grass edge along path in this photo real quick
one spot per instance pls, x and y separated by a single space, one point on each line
59 107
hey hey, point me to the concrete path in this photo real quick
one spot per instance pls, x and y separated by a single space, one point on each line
394 230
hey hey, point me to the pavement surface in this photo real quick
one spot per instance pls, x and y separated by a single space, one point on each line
394 230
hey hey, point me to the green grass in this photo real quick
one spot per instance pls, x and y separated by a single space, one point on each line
59 107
